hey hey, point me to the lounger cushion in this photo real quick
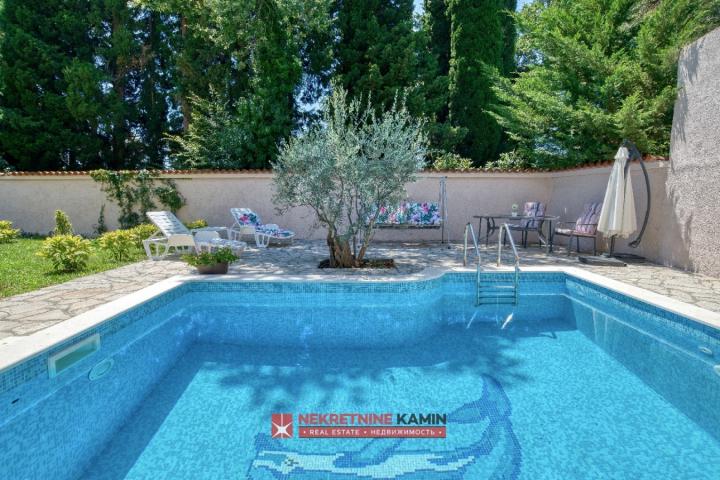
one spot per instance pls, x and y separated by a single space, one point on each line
245 217
411 213
274 231
222 242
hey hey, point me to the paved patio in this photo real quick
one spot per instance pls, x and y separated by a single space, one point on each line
30 312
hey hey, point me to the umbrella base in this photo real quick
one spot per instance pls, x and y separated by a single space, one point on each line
629 257
601 261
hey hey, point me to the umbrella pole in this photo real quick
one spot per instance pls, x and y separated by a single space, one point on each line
636 243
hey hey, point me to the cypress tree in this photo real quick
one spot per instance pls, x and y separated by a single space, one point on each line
509 37
376 50
437 25
476 45
434 68
157 111
42 39
269 109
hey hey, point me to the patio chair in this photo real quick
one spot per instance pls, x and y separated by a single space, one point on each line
584 227
173 235
248 222
526 225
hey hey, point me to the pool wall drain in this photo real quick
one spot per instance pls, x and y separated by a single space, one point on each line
101 369
68 357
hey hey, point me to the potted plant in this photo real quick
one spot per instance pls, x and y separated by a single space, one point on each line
215 262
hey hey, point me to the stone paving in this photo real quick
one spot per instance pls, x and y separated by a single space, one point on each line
33 311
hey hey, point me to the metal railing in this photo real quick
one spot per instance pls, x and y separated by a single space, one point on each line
505 230
470 232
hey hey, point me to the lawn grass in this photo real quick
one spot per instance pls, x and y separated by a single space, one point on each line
21 270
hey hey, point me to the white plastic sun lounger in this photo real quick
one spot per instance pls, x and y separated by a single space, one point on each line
173 235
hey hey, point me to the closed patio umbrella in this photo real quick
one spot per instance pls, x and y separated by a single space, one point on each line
617 217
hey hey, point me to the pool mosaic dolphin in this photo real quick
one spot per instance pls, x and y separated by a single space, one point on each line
481 444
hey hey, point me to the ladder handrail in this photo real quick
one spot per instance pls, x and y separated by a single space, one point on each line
469 229
505 230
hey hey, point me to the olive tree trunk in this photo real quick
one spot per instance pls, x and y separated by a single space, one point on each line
341 252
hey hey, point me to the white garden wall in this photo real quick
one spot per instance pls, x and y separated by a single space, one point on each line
29 200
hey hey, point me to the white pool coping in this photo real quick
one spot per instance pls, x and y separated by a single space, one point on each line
16 350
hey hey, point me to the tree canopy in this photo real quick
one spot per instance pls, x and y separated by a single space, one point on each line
193 84
593 72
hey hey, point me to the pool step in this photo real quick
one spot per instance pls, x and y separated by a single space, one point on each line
495 294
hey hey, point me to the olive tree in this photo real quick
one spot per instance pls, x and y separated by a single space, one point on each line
347 167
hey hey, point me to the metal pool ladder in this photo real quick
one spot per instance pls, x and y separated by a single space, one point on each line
499 293
503 293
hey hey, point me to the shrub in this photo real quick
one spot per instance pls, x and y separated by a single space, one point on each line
451 161
221 255
345 167
200 223
120 243
101 227
7 233
68 253
142 232
62 224
512 160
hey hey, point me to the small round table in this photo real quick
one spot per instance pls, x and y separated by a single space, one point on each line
491 226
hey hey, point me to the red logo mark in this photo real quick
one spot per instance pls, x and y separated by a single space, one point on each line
282 425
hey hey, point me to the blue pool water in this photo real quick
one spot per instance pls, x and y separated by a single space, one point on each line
580 383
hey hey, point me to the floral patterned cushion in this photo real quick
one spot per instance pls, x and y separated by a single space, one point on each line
411 213
246 217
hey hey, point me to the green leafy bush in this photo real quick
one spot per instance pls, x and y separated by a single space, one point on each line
62 224
451 161
68 253
199 223
509 161
120 243
221 255
142 232
7 233
137 192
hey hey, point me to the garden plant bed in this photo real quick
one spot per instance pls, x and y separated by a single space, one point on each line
367 263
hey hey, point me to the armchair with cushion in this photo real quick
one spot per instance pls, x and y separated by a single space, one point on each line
526 225
584 227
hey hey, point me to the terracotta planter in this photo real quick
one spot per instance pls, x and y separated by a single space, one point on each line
216 269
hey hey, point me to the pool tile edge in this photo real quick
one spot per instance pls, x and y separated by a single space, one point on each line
23 348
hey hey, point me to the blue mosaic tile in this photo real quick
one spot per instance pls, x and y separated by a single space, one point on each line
37 365
199 370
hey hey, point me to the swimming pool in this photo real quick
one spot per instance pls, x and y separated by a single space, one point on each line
577 381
